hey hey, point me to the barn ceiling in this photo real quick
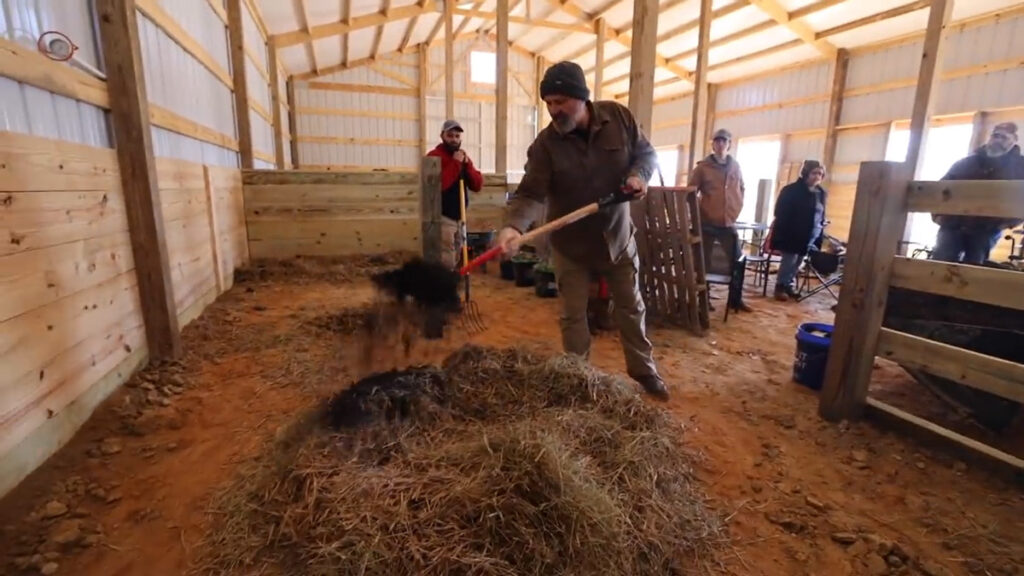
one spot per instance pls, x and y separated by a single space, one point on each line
747 36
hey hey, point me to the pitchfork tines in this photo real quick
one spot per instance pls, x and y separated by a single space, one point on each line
472 320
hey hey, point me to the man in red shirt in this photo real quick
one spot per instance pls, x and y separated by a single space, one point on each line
455 165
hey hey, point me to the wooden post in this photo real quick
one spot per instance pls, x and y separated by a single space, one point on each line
979 132
501 96
927 78
879 212
835 110
275 100
763 209
449 62
709 118
237 45
542 109
682 170
293 124
129 111
424 81
642 62
601 28
698 117
211 218
430 230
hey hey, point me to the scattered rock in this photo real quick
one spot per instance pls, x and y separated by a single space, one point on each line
172 447
920 465
879 545
54 509
176 381
110 446
51 556
164 402
757 486
876 565
98 493
815 503
153 398
786 522
959 467
22 562
845 538
148 386
66 532
49 569
859 456
894 561
91 540
114 496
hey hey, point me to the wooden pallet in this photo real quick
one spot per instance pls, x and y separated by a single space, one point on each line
672 274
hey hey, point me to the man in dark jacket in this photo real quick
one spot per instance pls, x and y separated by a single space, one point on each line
455 165
970 239
590 150
799 221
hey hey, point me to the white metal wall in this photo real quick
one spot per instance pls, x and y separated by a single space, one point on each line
256 80
666 119
27 109
282 90
177 81
799 83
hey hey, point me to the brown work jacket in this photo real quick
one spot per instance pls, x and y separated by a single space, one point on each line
572 170
721 190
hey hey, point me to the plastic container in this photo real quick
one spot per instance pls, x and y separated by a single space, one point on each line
545 285
508 270
524 271
477 243
812 344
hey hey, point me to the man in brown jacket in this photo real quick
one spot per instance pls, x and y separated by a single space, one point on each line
719 182
590 150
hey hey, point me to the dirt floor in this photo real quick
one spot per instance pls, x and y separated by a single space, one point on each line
130 494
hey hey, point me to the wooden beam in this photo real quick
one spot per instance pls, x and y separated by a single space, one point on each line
430 208
642 61
449 61
501 104
995 198
835 109
700 94
711 115
303 13
979 130
424 61
347 26
874 18
927 80
122 54
879 211
778 13
602 29
257 18
275 101
214 224
542 109
293 126
407 37
241 88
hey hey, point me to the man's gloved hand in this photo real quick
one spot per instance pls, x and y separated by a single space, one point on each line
636 187
508 240
460 156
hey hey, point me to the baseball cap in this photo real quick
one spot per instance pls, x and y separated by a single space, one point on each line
722 133
451 125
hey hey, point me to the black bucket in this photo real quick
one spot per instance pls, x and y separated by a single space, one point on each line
508 270
524 272
477 243
812 344
545 285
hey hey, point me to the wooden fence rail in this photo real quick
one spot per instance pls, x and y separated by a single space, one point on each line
885 196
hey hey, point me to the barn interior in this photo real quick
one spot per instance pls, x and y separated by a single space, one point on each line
200 375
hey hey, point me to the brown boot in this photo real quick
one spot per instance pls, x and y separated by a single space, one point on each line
781 295
654 386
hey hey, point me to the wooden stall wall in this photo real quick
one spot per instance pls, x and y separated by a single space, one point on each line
319 213
71 326
981 70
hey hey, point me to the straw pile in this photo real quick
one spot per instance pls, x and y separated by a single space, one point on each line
497 463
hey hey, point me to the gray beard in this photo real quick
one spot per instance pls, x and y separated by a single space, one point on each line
994 153
564 125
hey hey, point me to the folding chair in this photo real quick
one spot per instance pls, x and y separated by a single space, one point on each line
826 268
761 263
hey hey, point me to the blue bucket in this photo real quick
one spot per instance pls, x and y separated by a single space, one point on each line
812 343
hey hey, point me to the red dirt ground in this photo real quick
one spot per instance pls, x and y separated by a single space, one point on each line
802 496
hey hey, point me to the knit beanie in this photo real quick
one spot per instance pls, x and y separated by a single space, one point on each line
565 79
809 166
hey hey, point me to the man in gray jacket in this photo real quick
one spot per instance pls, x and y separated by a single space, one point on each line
590 150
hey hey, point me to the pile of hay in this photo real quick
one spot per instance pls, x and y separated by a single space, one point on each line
306 269
497 463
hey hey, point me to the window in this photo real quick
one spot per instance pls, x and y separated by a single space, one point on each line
483 67
668 160
759 160
943 147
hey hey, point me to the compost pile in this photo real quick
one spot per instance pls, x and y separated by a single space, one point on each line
497 463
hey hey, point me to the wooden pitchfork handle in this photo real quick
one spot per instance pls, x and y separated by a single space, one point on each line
578 214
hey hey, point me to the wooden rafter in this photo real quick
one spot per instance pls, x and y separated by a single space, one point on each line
778 13
350 25
465 17
611 33
379 33
897 11
300 10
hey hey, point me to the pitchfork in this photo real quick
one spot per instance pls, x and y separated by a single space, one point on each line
471 318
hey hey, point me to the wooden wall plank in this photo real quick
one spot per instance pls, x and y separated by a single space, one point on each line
31 220
997 198
1003 288
700 97
33 163
26 65
642 60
